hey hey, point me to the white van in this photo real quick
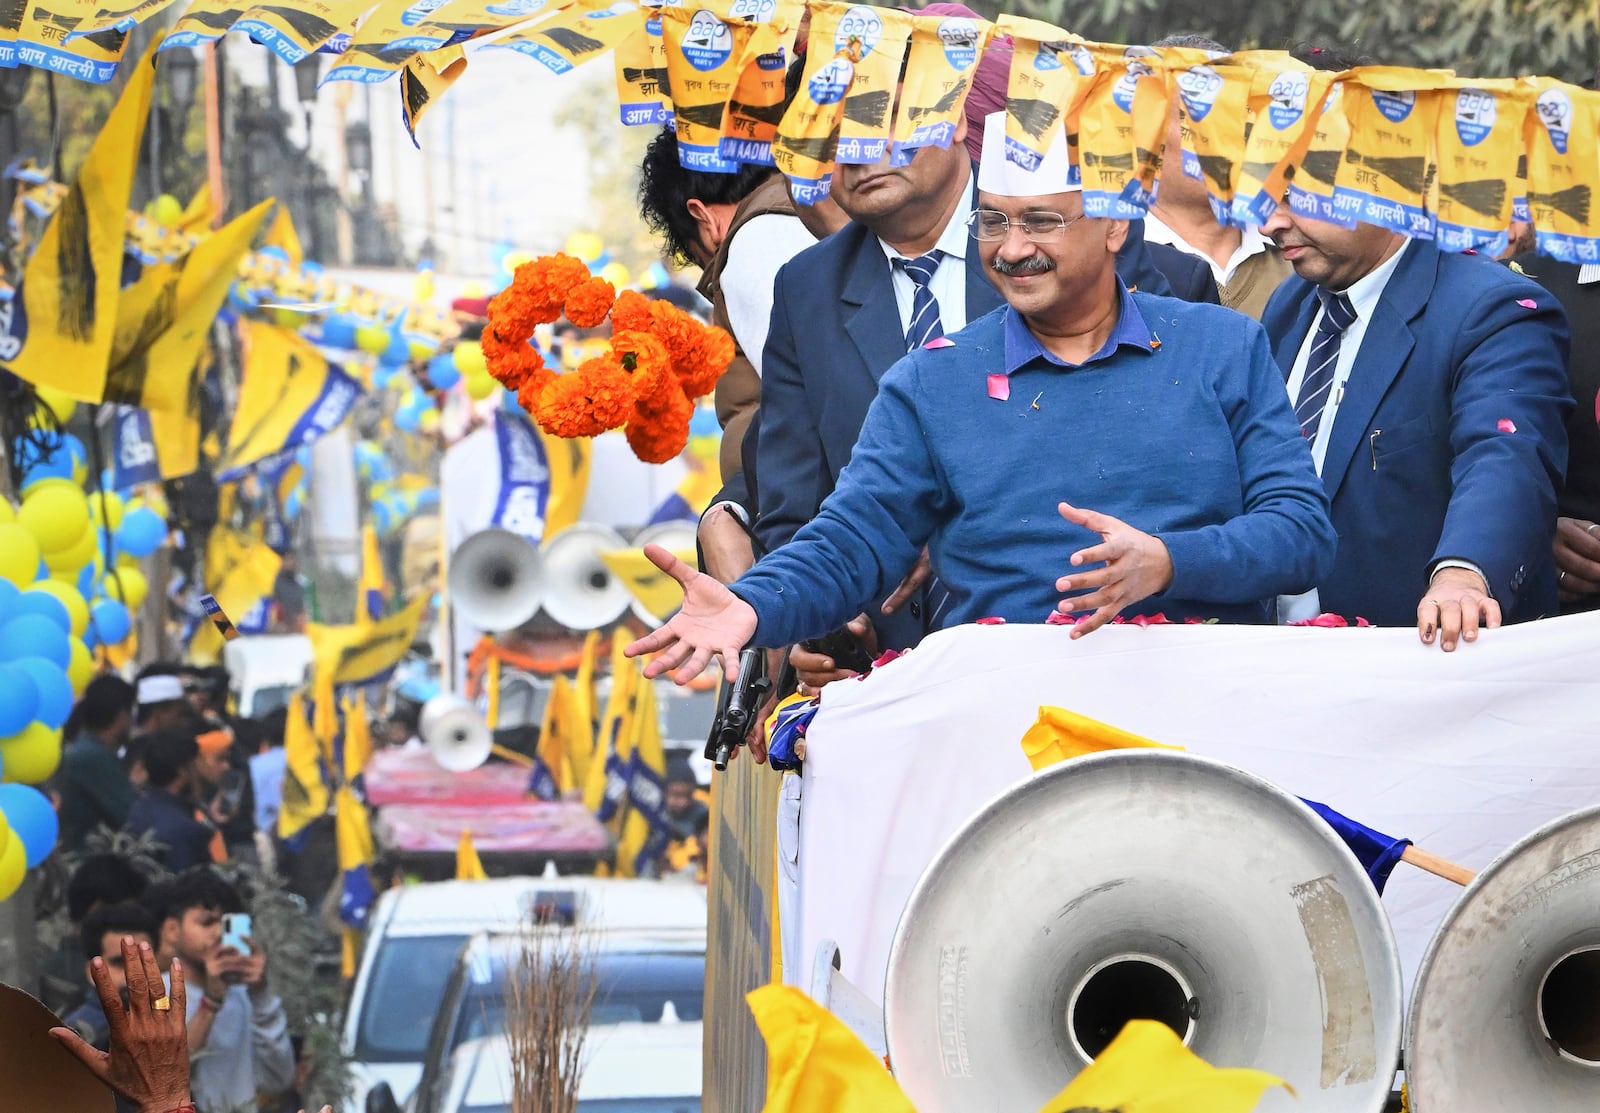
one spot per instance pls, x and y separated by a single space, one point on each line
265 669
417 931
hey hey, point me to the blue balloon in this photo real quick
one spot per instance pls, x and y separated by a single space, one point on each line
51 461
78 456
37 602
110 620
33 635
442 372
31 818
141 532
339 331
397 354
52 686
408 419
88 580
19 699
8 598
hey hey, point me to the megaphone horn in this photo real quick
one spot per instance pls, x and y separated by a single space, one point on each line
581 592
1505 1013
495 580
454 733
1142 885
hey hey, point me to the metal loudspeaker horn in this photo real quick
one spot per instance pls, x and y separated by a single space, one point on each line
677 537
581 592
454 733
1505 1013
496 581
1143 885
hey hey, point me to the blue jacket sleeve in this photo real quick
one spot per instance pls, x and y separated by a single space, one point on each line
1284 542
1508 406
790 459
889 500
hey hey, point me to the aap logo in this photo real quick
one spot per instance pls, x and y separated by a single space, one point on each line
1555 113
1046 58
1394 106
1476 112
1288 92
708 42
1199 88
861 25
960 39
514 7
830 83
1122 92
420 11
756 11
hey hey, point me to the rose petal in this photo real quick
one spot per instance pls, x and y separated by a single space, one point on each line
886 656
940 342
1506 425
1058 619
990 621
1527 303
1000 387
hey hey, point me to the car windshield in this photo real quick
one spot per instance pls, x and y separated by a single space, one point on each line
403 992
264 701
633 986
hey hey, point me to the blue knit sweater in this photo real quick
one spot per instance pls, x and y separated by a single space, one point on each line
1179 426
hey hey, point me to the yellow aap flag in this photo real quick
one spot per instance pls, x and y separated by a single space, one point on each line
358 653
60 331
291 395
658 592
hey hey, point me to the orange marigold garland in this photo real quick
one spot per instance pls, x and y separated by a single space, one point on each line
588 302
661 358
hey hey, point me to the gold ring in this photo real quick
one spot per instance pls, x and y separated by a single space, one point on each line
162 1004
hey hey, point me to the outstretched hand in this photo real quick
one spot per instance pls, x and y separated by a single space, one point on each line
148 1060
1136 567
713 622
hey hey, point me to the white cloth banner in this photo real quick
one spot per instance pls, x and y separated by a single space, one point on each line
1463 753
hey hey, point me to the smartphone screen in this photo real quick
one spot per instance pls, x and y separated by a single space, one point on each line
235 931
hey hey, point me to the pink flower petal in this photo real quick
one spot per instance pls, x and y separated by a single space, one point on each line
1000 387
1506 425
1527 303
940 342
1058 619
990 621
886 656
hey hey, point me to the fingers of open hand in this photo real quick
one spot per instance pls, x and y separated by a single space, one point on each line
651 642
1088 519
140 992
96 1061
696 664
1096 620
666 560
677 651
180 990
1098 577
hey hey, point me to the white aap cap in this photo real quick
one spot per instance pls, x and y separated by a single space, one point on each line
1001 177
160 688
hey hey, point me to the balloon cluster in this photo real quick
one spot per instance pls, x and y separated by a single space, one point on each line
416 412
58 599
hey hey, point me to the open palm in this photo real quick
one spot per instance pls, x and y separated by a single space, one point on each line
713 622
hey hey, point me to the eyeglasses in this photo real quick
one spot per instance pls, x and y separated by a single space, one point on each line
991 224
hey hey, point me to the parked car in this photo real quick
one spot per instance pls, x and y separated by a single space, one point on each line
416 933
640 977
628 1068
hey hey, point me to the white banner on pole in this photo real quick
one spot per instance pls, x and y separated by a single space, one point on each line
1464 752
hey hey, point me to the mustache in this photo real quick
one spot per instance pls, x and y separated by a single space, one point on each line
1032 264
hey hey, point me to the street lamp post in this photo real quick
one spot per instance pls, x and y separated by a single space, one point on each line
307 75
182 73
358 151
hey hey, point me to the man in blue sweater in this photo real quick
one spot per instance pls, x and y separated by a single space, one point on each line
1140 444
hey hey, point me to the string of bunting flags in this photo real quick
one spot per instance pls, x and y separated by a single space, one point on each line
1425 152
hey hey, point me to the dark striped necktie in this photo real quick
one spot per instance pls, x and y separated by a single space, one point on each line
925 325
1322 365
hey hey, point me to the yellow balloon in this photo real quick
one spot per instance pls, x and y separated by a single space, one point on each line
19 554
57 515
166 210
372 339
106 507
5 837
60 403
586 246
13 868
473 289
515 259
8 513
31 755
480 386
80 665
616 274
469 358
77 609
429 421
128 586
73 559
422 286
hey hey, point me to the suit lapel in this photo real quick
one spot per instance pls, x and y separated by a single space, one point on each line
1385 347
1289 344
872 317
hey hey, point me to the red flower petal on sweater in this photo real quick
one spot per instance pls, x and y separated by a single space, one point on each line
1506 425
1000 387
1527 303
1326 620
990 621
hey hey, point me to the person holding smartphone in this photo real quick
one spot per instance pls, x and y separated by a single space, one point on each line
238 1033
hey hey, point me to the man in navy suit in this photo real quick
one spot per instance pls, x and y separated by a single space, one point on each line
1432 388
844 311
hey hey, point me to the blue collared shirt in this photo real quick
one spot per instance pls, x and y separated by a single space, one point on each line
1022 347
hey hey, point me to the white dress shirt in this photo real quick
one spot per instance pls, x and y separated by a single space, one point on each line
763 244
949 283
1363 294
1251 243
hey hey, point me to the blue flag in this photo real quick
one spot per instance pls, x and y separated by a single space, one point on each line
1376 851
